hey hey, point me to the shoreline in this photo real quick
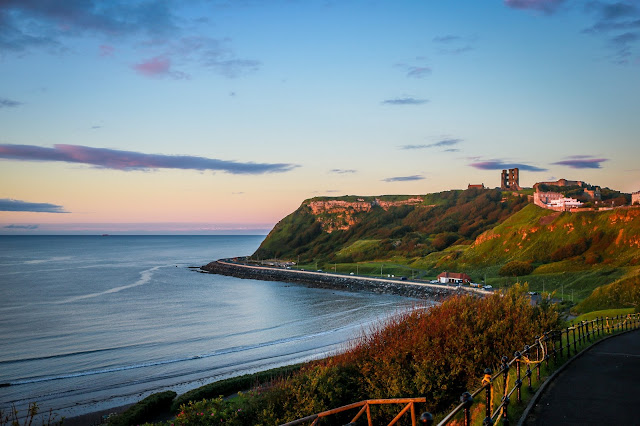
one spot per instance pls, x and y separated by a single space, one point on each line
328 281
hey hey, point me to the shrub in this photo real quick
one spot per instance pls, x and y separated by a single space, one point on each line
570 250
232 385
144 410
516 268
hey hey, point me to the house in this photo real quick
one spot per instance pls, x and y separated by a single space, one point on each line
454 277
471 186
635 198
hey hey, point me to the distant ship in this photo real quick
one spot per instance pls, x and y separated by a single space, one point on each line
104 235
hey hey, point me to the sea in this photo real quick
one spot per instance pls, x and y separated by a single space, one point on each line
88 323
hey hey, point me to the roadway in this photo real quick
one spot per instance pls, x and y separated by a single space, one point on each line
598 388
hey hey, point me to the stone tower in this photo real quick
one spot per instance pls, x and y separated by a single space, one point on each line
510 180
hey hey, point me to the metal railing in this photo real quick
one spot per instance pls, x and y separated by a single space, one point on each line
365 407
549 347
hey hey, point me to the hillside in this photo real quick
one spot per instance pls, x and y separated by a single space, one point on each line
473 231
356 229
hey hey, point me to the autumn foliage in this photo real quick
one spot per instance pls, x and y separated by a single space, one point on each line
437 352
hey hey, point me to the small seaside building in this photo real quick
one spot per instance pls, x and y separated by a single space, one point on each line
454 277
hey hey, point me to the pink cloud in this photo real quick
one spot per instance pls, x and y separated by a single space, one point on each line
106 50
157 66
130 160
582 162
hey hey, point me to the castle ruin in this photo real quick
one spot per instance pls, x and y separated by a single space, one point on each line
510 180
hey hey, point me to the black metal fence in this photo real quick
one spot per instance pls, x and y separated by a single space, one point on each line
551 347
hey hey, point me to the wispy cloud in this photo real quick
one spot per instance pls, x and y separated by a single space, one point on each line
449 38
502 165
343 171
439 144
21 227
158 67
454 44
405 101
165 40
8 103
619 23
129 160
37 23
106 50
210 53
10 205
403 178
545 6
582 162
419 70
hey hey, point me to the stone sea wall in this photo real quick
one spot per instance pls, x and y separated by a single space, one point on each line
328 281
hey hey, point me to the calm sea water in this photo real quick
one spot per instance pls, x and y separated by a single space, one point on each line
89 322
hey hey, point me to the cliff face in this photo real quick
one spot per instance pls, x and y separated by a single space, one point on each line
340 215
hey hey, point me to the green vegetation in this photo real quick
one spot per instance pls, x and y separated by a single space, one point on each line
145 410
516 268
624 292
441 220
232 385
603 314
495 237
415 353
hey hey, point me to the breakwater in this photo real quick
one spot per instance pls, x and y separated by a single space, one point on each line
332 281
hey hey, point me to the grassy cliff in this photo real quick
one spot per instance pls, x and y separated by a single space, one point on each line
356 229
481 232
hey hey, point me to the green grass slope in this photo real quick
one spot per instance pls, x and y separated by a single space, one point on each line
407 231
556 242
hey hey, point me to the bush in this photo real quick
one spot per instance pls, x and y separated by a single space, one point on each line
232 385
144 410
570 250
516 268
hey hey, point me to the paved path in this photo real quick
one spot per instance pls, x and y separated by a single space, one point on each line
602 387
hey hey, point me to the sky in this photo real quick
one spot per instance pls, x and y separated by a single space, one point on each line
200 117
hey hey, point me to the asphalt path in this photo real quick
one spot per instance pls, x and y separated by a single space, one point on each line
601 387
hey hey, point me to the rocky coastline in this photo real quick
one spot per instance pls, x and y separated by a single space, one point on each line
329 281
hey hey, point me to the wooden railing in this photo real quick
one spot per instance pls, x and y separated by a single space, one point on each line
549 347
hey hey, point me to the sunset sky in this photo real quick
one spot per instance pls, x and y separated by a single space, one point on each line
223 116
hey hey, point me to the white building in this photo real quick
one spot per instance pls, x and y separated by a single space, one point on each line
635 198
565 203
